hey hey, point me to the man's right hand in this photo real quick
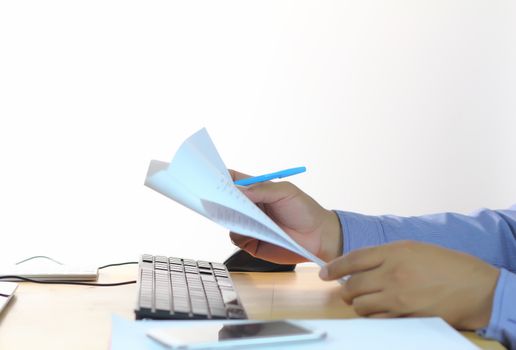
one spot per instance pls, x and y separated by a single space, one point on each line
301 217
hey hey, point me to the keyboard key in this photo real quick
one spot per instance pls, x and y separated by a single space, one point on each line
161 259
218 266
220 273
191 269
147 258
161 266
200 310
218 312
204 264
176 261
182 308
226 282
229 297
189 262
207 278
176 268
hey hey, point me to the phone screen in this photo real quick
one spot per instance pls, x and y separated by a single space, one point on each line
255 333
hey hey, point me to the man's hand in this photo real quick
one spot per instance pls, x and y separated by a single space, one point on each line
301 217
407 278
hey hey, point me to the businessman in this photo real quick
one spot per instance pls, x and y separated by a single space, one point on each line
458 267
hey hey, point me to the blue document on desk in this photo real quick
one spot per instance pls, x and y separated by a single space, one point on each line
364 334
198 179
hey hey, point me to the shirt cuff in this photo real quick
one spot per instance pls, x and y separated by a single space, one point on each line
502 325
359 231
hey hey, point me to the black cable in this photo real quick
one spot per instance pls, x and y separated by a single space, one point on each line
67 282
118 264
78 283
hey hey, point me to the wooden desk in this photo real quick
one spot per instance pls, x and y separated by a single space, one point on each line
79 317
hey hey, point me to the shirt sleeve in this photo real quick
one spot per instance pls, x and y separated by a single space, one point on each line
502 326
487 234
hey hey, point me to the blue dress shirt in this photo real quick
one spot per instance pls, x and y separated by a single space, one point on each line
487 234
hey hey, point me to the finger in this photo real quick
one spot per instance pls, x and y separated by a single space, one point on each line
271 192
361 283
278 255
265 250
236 175
354 262
373 304
240 240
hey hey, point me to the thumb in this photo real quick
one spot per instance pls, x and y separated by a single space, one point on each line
270 192
236 175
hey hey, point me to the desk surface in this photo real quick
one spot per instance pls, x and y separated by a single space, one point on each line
79 317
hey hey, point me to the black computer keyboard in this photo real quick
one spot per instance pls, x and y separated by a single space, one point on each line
174 288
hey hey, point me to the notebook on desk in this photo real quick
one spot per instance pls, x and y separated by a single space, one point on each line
42 268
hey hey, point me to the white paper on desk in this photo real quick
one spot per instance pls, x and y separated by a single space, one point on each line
364 334
198 179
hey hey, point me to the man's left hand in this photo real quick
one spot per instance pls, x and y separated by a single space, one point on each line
407 278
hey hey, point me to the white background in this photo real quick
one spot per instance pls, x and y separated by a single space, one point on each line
401 107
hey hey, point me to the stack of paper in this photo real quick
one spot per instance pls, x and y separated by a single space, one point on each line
198 179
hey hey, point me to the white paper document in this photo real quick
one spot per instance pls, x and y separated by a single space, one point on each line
198 179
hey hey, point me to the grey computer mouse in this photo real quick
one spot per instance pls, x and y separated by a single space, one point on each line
242 261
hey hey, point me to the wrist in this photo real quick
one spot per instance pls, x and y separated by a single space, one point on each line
331 237
485 305
481 306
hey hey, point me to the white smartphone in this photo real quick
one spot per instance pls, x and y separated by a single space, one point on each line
218 336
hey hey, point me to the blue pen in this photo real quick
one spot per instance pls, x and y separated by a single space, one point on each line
267 177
